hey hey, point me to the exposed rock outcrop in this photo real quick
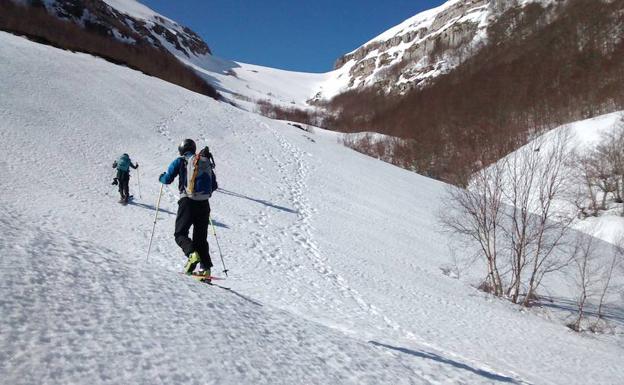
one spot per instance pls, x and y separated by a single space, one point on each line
422 47
97 15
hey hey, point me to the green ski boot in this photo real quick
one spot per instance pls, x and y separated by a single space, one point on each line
206 274
193 260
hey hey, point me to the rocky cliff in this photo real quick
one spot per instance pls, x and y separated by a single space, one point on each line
425 46
127 21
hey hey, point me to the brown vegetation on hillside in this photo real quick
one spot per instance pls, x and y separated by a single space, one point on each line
37 24
265 108
534 74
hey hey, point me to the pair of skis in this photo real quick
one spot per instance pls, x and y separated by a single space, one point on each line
205 279
124 202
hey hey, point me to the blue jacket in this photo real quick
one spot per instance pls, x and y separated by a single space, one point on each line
202 190
124 163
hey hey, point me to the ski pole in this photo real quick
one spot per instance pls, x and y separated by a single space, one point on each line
225 270
155 218
139 182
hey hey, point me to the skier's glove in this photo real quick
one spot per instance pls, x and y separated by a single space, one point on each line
115 182
161 178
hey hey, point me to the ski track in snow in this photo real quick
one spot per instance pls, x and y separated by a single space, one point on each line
321 283
316 296
163 126
303 231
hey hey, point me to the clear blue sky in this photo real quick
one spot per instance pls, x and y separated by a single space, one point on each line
296 35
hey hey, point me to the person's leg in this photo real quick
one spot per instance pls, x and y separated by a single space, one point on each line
184 220
201 220
124 185
120 183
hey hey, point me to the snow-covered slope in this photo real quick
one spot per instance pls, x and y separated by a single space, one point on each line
584 136
135 9
241 83
247 84
334 257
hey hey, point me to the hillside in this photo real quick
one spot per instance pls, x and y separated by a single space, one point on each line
96 28
544 64
334 271
585 136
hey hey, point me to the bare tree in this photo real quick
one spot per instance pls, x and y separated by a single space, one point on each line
507 210
549 226
601 173
535 179
585 198
476 214
607 275
611 149
582 258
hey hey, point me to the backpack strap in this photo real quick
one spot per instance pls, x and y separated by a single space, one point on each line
191 183
182 174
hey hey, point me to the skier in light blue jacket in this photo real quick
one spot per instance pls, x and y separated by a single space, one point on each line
123 165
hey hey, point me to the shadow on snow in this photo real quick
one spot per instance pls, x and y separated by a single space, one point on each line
459 365
237 294
261 201
150 207
610 311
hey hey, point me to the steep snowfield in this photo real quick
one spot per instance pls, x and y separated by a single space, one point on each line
240 83
243 84
247 84
334 257
584 136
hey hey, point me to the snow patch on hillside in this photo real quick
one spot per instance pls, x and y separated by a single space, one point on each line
584 136
135 9
421 20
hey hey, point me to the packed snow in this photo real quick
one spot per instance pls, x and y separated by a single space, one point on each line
334 257
584 136
247 84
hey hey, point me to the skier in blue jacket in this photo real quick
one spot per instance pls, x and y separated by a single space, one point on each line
195 183
123 165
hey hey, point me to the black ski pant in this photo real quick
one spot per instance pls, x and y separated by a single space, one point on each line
196 214
123 177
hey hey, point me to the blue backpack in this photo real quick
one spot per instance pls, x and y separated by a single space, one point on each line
123 163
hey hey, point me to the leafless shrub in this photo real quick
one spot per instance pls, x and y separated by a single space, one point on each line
594 278
507 212
487 287
600 174
583 258
311 117
536 179
396 151
476 215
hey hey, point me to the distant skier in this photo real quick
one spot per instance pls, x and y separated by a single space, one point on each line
123 165
195 183
208 154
